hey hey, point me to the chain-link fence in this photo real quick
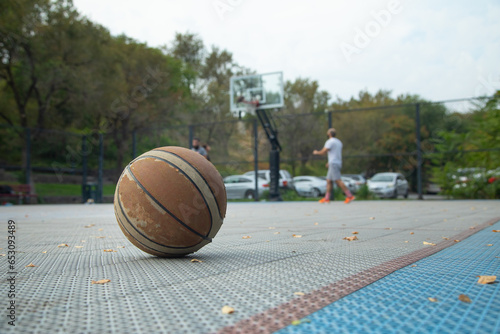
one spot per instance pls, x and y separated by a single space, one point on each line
398 138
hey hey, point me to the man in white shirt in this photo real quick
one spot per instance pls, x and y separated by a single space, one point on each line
333 147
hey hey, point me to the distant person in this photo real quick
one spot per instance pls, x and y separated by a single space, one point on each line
207 148
333 147
198 148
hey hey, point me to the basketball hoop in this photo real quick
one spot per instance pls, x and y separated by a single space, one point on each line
250 106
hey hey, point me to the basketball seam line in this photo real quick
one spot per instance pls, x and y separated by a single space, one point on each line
215 198
179 169
145 237
166 210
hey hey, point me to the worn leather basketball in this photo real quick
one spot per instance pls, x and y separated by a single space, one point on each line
170 201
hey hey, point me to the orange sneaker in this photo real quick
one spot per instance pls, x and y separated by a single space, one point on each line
349 199
324 200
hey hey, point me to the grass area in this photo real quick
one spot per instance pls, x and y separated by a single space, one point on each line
59 189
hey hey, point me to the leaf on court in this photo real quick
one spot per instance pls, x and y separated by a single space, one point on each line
272 228
120 246
100 237
102 281
316 224
351 238
227 310
388 228
472 227
3 254
434 300
412 232
429 243
298 322
78 246
101 229
276 232
495 230
355 232
89 226
44 252
246 237
464 298
445 238
372 218
489 245
63 245
486 279
196 260
296 235
456 240
109 250
413 266
406 241
298 293
30 265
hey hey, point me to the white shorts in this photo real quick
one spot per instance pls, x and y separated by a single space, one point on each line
333 172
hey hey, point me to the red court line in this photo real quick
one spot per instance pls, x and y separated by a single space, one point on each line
281 316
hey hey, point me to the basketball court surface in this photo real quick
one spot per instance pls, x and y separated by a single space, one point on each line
285 267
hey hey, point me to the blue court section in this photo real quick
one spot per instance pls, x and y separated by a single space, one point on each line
399 302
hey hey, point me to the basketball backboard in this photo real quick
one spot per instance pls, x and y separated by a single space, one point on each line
266 89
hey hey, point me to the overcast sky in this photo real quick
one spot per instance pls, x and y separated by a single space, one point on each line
438 49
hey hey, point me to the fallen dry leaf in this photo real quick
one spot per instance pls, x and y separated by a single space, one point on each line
276 232
78 246
464 298
298 322
413 266
102 281
246 237
486 279
296 236
388 228
351 238
227 310
489 245
355 232
196 260
412 232
63 245
272 228
30 265
316 224
3 254
472 227
109 250
88 226
372 218
101 229
406 241
434 300
299 293
495 230
120 246
429 243
445 238
44 252
456 240
100 237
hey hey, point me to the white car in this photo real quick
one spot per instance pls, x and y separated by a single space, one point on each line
388 185
358 180
243 186
309 186
285 181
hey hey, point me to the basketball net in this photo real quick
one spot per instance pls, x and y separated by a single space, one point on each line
250 106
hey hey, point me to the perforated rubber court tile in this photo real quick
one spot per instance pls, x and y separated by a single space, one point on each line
399 302
288 248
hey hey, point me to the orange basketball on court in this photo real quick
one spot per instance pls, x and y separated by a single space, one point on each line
170 201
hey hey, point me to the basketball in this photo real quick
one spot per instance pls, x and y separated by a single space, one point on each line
170 201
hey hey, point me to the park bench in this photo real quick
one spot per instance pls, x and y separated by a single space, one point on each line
23 193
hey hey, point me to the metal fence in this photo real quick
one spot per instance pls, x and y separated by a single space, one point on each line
390 138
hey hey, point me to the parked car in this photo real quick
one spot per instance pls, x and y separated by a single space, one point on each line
285 181
388 185
349 183
309 186
243 186
358 180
